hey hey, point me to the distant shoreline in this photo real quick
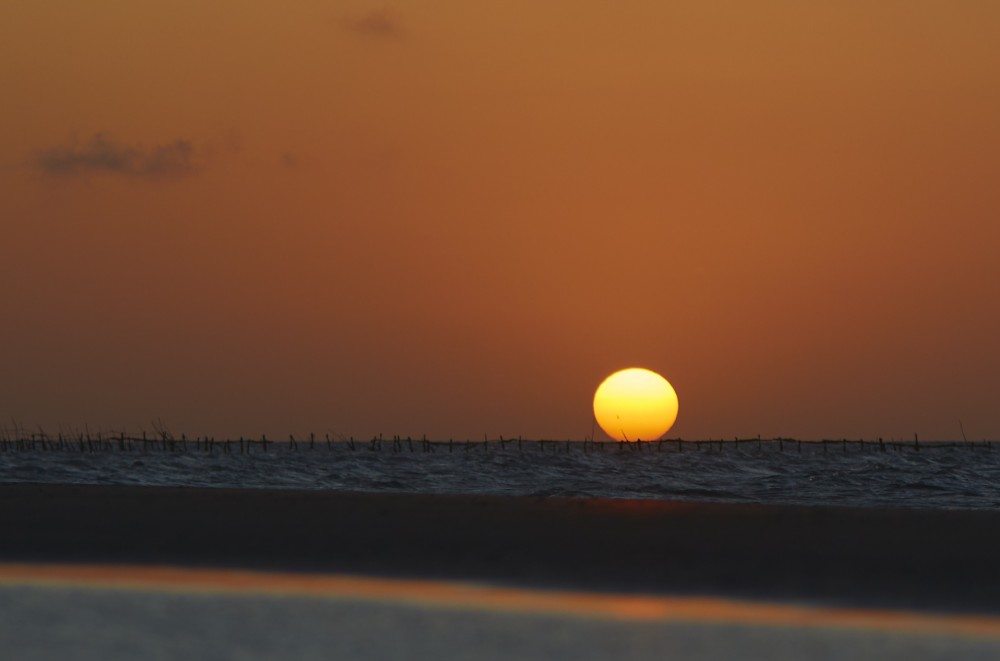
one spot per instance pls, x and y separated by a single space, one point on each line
122 442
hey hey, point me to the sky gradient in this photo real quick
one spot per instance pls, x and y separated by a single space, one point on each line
454 220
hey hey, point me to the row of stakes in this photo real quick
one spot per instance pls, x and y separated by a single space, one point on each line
86 443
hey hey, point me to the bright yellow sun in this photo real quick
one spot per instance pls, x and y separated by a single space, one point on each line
635 404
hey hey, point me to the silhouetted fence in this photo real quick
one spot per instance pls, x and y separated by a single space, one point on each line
87 442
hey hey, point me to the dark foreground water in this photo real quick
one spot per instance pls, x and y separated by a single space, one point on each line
934 477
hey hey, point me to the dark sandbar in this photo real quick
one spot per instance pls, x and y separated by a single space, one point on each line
929 560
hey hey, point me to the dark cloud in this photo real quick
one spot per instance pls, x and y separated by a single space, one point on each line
380 23
102 154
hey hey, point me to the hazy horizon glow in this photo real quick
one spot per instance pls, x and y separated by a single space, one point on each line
357 218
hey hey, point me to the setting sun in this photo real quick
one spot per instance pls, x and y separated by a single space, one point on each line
635 404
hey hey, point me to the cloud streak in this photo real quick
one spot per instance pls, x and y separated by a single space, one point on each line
379 23
102 154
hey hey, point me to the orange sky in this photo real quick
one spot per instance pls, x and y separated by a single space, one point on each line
456 219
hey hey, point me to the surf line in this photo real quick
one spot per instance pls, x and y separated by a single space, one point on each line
485 597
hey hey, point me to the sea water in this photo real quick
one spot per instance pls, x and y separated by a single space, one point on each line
933 476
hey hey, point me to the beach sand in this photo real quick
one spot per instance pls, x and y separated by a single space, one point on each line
737 568
915 559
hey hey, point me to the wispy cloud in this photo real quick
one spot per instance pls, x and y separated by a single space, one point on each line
379 23
102 154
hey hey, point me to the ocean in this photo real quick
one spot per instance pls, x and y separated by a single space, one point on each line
937 476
